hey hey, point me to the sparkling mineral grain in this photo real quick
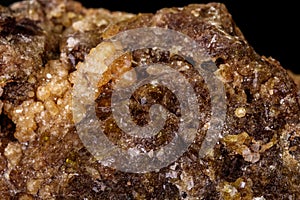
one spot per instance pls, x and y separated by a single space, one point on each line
42 45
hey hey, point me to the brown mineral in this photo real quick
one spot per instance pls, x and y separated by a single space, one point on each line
296 78
43 46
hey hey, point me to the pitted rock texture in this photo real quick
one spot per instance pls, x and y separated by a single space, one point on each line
42 157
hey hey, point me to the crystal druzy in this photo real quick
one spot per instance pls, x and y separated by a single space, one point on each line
44 43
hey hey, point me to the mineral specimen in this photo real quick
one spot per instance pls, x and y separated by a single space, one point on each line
295 77
44 43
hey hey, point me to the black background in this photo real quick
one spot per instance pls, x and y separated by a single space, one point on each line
271 28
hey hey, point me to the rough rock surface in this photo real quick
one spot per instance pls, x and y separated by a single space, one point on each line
42 157
296 78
